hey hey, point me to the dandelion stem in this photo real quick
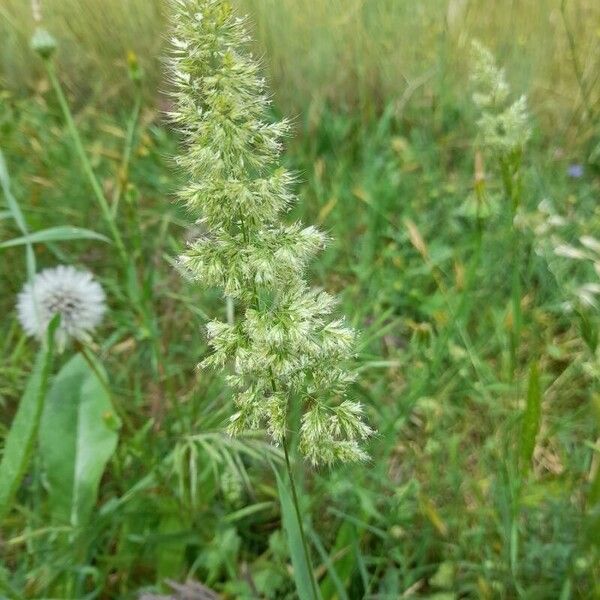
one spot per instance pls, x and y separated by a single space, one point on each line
104 383
107 213
87 167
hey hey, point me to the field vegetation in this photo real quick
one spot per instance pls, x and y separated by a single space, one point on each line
470 270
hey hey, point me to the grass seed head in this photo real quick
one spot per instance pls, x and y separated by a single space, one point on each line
287 345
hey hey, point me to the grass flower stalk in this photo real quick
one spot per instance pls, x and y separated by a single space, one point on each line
285 346
504 131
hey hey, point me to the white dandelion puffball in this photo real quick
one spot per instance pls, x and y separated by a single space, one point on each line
73 294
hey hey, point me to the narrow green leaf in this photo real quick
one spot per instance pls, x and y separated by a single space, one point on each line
55 234
21 438
7 588
302 574
78 435
11 201
339 562
594 491
17 214
247 511
531 419
173 539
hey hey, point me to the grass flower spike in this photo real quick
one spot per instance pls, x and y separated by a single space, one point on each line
287 345
64 290
504 128
503 131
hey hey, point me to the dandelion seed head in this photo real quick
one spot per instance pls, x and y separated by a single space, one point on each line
68 292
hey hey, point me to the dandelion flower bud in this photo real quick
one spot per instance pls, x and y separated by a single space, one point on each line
43 43
72 294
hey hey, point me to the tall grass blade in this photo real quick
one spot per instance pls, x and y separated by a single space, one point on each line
11 201
531 419
333 585
6 588
55 234
17 214
302 570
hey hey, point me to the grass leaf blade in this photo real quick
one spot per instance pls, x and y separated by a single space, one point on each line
56 234
531 419
302 574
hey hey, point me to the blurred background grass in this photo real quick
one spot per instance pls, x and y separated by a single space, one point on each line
345 53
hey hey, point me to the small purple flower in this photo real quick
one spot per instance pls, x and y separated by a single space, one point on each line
575 171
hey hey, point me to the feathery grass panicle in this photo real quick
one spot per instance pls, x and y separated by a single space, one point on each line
287 344
503 127
503 131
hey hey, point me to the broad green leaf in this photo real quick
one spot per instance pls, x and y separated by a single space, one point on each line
23 432
78 435
55 234
531 419
302 570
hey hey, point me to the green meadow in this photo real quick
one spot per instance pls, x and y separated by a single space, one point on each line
472 278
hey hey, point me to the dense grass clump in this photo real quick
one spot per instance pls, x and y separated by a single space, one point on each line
468 263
